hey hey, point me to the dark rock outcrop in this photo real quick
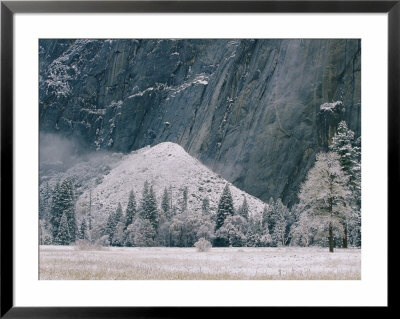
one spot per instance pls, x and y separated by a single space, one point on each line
248 109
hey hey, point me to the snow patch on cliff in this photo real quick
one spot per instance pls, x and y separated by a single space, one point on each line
61 70
330 106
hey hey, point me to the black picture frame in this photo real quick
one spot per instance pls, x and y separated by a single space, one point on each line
9 8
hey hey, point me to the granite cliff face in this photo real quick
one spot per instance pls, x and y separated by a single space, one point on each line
248 109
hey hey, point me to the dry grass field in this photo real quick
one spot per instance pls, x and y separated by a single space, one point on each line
289 263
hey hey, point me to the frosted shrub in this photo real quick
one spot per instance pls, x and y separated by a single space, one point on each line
202 245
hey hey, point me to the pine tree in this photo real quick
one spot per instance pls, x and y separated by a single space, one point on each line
55 211
83 230
63 201
67 190
344 144
153 212
349 151
166 204
113 219
118 213
184 201
148 210
325 195
268 220
63 236
45 237
280 232
244 209
110 227
130 210
225 209
45 202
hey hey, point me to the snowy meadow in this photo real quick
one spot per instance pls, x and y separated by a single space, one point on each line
230 263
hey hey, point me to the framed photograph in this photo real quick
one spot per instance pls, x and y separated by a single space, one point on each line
162 155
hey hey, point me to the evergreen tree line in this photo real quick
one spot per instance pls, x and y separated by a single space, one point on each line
57 214
328 212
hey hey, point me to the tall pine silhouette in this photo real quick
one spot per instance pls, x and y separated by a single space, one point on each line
225 209
63 202
130 209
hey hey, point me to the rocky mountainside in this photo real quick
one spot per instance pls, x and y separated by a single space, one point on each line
251 110
164 166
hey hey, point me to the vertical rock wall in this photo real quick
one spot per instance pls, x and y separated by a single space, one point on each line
248 109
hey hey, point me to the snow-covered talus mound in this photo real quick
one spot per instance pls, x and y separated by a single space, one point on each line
164 165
